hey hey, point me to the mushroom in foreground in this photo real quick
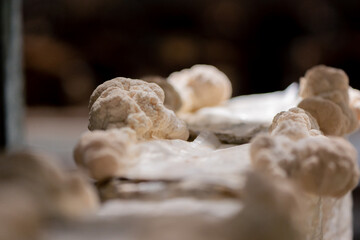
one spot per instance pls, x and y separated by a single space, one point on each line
321 165
295 124
104 154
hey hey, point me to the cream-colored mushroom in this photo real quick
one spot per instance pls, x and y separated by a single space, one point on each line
297 150
295 124
320 165
172 98
326 98
105 154
201 86
325 165
124 102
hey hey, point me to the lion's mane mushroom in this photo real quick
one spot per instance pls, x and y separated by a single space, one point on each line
295 124
105 154
296 149
325 165
172 98
326 98
201 86
321 165
124 102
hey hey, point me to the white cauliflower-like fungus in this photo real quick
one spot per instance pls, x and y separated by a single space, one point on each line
295 124
123 102
296 149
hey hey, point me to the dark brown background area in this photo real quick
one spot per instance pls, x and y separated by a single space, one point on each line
73 45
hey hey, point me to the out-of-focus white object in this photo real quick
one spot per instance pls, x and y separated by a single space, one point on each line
354 138
201 86
260 108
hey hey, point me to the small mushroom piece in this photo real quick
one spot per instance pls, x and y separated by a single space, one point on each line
105 154
295 124
354 95
325 165
326 98
320 165
124 102
329 115
201 86
271 154
172 98
52 191
322 80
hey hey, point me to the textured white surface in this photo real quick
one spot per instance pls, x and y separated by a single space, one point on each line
253 108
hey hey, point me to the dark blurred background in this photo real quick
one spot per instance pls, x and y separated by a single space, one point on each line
73 45
70 46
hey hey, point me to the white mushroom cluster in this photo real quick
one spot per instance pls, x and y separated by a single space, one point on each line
201 86
123 102
300 173
325 96
296 149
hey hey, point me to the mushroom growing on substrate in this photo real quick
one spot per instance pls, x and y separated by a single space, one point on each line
123 102
34 191
172 98
201 86
294 170
105 154
325 96
296 149
295 124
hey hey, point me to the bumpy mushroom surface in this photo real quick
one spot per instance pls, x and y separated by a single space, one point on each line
124 102
201 86
296 149
172 98
321 165
295 124
325 165
326 98
104 154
